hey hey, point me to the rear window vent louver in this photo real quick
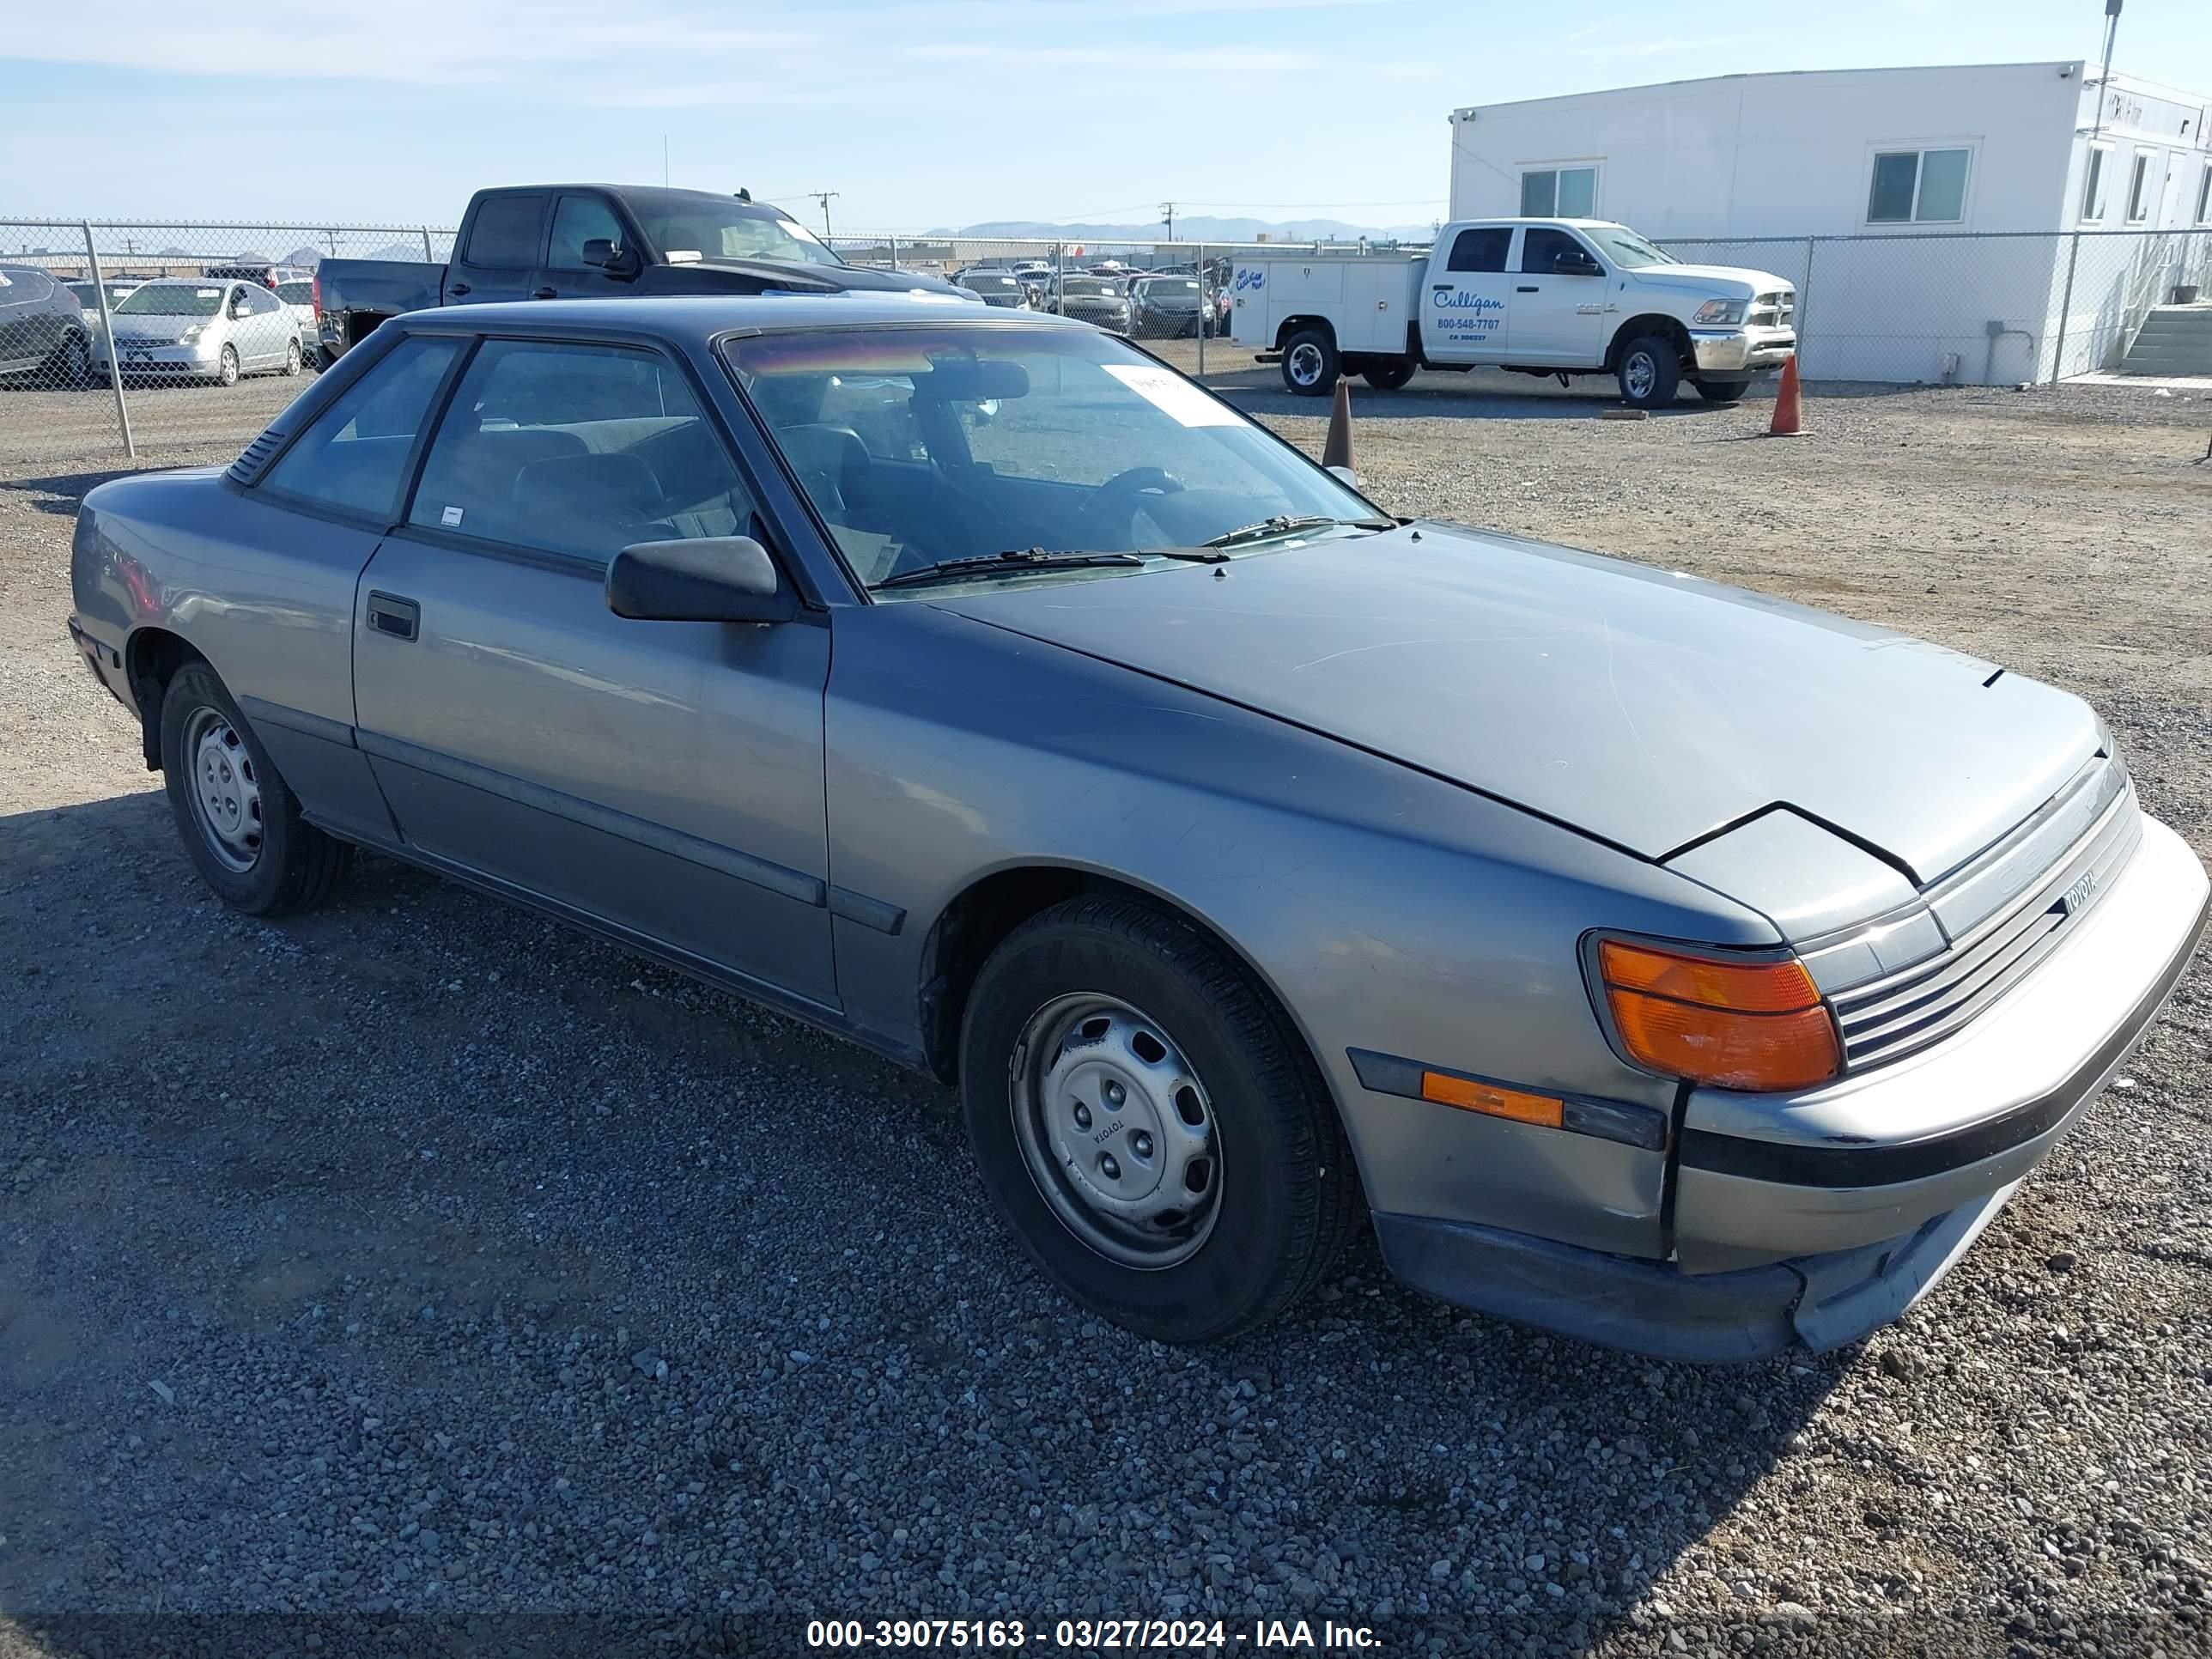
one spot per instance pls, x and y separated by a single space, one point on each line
248 466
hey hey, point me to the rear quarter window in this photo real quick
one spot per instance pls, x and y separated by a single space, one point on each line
354 459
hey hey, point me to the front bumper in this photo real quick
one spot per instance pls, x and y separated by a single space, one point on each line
200 359
1741 350
1788 1235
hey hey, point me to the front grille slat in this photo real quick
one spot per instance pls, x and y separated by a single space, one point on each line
1909 1010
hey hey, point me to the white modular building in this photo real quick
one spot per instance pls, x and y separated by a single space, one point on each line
1990 222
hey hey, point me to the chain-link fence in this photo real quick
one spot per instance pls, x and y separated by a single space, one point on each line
167 340
205 318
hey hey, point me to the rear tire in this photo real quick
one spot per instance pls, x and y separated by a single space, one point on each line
1650 372
1310 363
1389 377
240 823
1721 392
1158 1141
291 360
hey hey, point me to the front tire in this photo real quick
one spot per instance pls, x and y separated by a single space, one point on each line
226 370
1389 377
1158 1141
239 822
1310 363
1715 390
1650 372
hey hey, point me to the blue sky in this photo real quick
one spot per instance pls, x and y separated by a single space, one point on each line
391 111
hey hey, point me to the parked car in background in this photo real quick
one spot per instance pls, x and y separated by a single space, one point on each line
592 242
1099 299
1173 306
297 295
1643 959
267 274
87 293
994 286
42 328
187 327
1035 276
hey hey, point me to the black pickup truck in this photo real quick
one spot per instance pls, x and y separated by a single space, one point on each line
581 241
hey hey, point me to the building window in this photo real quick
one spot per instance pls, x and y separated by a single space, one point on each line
1559 193
2092 187
1925 187
2204 196
2139 189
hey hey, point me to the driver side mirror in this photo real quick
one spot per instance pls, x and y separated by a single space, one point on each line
1575 262
601 254
729 578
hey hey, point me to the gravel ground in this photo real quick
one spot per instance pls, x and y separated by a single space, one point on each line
419 1256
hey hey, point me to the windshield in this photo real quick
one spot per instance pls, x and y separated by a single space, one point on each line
705 230
998 279
1626 248
920 445
1077 285
1158 285
172 299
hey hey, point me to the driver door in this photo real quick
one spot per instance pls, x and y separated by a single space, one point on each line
1469 316
1558 318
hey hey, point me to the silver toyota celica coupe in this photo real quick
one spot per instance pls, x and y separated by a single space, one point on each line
1648 960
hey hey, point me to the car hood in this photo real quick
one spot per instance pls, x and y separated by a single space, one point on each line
1640 706
1731 280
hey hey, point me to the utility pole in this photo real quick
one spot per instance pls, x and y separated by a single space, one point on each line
1167 214
824 196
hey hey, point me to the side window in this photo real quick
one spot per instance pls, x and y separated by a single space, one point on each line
354 456
578 220
260 300
1541 245
576 449
1482 249
505 234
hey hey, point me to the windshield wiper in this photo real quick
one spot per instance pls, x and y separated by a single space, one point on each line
1014 561
1287 524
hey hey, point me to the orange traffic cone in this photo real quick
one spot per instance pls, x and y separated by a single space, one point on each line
1336 448
1789 403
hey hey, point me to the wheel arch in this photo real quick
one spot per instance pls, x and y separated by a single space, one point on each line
1654 322
1298 325
973 925
151 657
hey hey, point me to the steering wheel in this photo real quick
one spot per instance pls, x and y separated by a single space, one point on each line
1108 517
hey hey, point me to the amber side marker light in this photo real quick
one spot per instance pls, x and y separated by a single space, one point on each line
1756 1025
1490 1099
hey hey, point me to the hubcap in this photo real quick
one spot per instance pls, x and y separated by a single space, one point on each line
1640 375
225 791
1305 364
1116 1130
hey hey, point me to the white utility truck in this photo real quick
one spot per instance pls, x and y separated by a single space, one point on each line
1538 296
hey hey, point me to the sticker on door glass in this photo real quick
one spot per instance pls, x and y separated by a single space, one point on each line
1171 394
450 517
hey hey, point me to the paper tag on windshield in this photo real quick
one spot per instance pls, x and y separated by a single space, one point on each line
209 294
1167 391
450 517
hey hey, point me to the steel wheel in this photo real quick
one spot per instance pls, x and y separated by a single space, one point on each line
1116 1130
225 789
1639 374
1305 364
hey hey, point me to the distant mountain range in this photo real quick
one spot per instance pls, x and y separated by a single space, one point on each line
1196 227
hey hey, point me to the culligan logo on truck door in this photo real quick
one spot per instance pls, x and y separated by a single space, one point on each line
1463 318
1248 276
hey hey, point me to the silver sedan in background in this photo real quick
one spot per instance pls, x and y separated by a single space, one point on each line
188 327
1642 958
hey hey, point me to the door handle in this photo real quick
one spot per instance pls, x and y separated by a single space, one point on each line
546 294
1526 288
390 614
457 288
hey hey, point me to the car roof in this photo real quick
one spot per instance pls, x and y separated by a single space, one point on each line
698 318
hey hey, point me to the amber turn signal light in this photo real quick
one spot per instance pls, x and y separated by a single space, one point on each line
1757 1025
1491 1100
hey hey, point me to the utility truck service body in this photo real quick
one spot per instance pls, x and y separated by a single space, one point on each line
1541 296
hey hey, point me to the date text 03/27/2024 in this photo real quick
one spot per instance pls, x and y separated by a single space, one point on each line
1213 1636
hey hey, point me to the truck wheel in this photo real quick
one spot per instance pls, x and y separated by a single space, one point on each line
1389 377
1650 372
1721 392
1310 364
1159 1143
